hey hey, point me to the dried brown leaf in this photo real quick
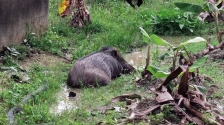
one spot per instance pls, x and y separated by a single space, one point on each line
183 87
163 97
199 99
173 75
183 121
199 114
220 119
180 100
185 114
199 102
103 109
198 121
64 8
66 12
164 89
197 94
142 114
133 105
124 97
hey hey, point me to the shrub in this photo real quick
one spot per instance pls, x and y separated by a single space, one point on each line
175 22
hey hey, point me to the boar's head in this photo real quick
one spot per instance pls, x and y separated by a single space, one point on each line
127 68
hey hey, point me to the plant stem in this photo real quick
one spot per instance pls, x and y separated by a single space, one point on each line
148 57
217 26
2 95
174 61
189 57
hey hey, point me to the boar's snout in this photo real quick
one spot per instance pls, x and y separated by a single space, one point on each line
128 69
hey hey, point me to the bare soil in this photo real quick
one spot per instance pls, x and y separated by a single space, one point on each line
43 59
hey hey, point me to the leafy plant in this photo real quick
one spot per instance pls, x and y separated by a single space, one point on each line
181 92
173 52
209 7
175 22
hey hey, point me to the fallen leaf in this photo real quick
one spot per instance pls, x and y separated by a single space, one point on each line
186 115
198 113
183 121
163 97
142 114
164 89
199 99
102 110
183 87
220 119
173 75
198 121
64 8
133 105
124 97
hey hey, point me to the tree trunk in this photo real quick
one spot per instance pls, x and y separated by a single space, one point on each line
80 16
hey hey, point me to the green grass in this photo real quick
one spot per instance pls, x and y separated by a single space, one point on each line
115 24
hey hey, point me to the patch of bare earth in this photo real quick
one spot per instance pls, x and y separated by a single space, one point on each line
42 59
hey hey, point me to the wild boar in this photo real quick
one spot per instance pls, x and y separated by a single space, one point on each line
98 68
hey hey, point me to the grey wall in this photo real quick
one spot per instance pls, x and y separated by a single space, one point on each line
17 15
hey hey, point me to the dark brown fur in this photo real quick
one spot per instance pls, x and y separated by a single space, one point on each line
139 3
98 69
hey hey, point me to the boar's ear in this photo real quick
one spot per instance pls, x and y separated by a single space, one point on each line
114 53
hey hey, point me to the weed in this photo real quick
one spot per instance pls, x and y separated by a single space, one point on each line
22 50
156 119
217 94
9 61
168 115
3 82
50 42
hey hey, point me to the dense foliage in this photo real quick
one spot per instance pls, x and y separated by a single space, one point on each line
175 22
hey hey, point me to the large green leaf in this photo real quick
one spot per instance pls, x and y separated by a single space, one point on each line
205 6
158 41
162 57
157 72
195 40
198 63
202 89
212 7
146 37
189 7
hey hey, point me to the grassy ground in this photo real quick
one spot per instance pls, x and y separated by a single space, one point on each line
114 23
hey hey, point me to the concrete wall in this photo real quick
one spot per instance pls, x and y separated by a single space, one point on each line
17 16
